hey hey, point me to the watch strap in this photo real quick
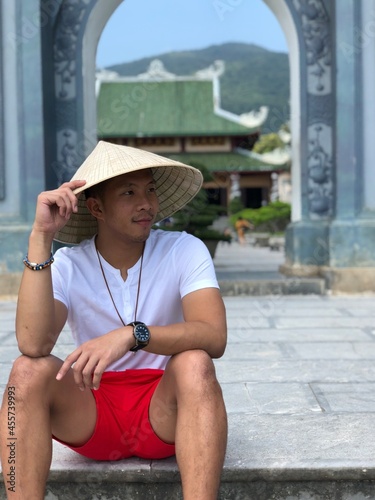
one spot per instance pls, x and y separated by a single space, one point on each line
137 345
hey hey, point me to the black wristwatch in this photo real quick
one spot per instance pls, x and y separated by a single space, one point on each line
141 334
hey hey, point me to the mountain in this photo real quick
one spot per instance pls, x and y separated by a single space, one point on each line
253 76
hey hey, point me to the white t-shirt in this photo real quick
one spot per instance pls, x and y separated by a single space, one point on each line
174 264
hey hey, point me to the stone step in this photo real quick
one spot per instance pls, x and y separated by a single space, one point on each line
74 477
257 489
264 287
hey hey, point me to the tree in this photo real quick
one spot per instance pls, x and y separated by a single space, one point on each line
268 143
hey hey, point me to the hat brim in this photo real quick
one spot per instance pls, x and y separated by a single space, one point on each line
176 185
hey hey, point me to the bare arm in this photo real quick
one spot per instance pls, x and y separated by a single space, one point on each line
204 328
39 318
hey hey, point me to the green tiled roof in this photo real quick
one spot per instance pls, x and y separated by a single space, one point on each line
161 108
226 162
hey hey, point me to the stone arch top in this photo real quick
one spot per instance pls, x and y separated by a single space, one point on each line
78 26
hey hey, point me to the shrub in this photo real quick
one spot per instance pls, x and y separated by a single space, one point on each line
267 143
235 205
272 218
197 216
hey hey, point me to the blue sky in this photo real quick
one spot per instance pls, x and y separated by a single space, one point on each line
143 28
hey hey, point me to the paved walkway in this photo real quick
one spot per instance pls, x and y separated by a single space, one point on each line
236 262
298 379
254 271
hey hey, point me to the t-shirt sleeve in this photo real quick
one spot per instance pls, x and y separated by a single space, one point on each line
195 264
60 277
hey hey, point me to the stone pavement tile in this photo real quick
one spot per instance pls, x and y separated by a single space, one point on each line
320 322
8 352
361 311
253 350
252 334
303 371
4 372
344 397
270 305
236 398
332 350
282 398
234 257
355 301
300 306
8 322
274 398
7 338
249 320
300 445
7 306
307 312
365 349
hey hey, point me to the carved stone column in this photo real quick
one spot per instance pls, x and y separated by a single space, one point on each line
335 236
307 238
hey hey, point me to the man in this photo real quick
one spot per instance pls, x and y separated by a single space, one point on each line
147 317
240 226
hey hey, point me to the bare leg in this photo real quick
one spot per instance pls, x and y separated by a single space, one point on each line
188 409
43 406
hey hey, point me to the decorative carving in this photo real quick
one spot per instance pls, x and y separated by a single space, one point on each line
254 118
276 157
316 31
69 26
157 71
67 160
320 171
215 70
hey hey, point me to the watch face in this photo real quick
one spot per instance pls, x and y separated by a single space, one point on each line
141 333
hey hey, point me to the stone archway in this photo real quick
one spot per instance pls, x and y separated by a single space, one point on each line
307 27
78 28
49 124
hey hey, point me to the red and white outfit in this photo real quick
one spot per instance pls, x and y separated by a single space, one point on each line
174 264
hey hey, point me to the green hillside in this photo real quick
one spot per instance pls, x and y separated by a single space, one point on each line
253 76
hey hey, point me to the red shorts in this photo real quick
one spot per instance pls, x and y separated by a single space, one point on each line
123 427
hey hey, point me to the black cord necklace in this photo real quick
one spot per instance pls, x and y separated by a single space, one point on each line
109 291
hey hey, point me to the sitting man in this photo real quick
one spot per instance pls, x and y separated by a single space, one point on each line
147 317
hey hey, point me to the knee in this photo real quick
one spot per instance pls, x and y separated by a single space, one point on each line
28 373
195 370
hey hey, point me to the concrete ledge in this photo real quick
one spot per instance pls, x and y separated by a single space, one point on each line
273 287
276 243
298 271
338 280
349 280
10 283
260 239
73 476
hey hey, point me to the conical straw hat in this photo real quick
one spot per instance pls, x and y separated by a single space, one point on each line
176 184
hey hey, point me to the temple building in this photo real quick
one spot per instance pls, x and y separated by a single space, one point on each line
180 117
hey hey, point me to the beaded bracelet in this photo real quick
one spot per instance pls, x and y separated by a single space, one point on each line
38 267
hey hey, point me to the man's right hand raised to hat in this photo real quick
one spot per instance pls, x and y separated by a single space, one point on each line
54 208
